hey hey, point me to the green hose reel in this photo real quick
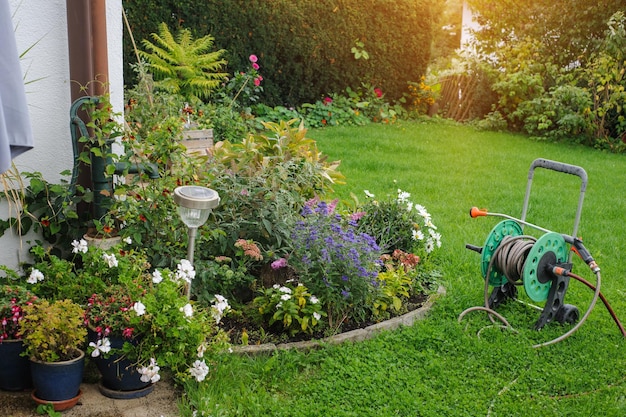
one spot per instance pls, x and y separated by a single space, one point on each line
549 249
495 237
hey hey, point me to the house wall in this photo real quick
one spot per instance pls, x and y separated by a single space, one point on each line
41 25
469 24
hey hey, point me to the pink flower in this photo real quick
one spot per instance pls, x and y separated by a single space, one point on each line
327 100
378 92
257 82
357 216
253 58
331 206
255 66
279 263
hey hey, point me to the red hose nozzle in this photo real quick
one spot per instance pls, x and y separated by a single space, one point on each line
476 212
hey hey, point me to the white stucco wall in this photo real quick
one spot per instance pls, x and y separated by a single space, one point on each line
469 24
42 25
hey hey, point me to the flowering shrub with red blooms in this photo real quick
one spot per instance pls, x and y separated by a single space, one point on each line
12 301
114 312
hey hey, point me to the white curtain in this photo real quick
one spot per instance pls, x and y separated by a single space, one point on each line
16 136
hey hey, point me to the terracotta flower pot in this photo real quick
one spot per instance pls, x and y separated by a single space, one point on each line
58 405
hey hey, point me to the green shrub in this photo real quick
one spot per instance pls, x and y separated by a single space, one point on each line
395 290
563 114
398 223
53 331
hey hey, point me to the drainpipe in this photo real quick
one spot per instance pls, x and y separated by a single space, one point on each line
89 75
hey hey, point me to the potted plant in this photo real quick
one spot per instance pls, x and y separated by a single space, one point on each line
142 321
14 368
118 327
133 312
54 335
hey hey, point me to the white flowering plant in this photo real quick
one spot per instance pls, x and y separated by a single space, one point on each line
88 270
292 307
147 308
161 326
398 223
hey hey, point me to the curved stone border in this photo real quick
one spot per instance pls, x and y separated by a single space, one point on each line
352 336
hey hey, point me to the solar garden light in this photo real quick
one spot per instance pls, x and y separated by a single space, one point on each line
194 206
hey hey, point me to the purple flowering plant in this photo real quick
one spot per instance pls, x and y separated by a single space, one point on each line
335 262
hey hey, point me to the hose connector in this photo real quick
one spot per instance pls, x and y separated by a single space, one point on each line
583 253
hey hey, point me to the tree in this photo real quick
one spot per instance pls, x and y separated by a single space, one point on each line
570 30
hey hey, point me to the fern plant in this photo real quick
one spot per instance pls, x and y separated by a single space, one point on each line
182 65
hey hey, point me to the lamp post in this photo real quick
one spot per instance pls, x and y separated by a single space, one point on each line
194 206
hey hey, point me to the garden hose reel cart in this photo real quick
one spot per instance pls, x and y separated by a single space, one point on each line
542 266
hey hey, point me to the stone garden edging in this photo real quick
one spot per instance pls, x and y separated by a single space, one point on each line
356 335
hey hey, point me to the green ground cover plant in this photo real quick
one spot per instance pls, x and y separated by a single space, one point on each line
440 367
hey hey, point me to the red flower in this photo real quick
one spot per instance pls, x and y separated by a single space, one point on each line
143 218
128 332
45 222
327 101
378 92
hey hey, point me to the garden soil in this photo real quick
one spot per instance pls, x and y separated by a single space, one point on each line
161 402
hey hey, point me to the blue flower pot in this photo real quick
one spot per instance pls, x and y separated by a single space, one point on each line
119 374
57 381
14 369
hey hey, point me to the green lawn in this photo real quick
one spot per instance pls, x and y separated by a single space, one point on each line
439 367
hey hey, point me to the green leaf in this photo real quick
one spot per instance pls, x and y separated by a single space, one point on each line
36 185
55 228
110 169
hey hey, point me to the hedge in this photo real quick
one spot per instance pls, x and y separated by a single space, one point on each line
304 47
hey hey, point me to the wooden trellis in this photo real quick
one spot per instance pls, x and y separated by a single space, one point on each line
457 96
